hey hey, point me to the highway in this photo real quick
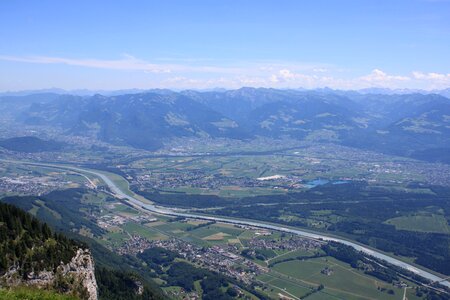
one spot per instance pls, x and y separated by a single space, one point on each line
176 212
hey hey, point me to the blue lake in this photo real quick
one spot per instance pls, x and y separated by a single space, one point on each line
317 182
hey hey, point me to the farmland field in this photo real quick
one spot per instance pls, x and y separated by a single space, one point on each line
343 280
421 222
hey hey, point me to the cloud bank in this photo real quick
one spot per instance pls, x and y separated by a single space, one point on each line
191 74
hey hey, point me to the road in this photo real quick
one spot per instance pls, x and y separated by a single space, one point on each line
174 212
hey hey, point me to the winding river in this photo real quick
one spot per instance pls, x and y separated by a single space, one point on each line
176 212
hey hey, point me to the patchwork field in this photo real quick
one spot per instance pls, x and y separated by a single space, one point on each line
342 282
235 175
142 230
220 236
424 222
289 254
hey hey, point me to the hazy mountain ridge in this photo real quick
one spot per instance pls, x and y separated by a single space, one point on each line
402 124
89 92
138 120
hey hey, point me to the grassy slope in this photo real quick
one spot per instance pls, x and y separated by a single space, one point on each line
31 294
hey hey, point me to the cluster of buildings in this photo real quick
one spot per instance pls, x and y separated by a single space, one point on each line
32 185
136 244
290 243
200 179
327 271
224 259
109 221
114 220
194 179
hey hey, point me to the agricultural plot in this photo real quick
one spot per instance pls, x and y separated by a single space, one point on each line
116 238
174 227
217 234
423 222
142 230
122 208
338 278
289 254
276 286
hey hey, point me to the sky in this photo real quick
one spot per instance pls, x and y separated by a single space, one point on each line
111 45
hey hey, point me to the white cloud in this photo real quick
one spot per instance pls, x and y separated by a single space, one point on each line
287 78
430 76
287 74
432 80
191 74
274 78
128 62
378 77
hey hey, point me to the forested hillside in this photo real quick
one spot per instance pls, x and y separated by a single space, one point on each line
29 245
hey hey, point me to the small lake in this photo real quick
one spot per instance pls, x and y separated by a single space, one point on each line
316 182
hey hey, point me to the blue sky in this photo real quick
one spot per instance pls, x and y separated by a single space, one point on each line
217 43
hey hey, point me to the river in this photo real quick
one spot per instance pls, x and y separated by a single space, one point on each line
173 212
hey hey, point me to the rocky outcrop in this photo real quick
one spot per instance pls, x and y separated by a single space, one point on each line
81 267
76 277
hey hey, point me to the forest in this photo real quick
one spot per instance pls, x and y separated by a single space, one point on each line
29 245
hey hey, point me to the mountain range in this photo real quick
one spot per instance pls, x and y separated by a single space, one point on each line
407 124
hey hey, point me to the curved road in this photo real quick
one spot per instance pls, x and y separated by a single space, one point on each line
172 212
